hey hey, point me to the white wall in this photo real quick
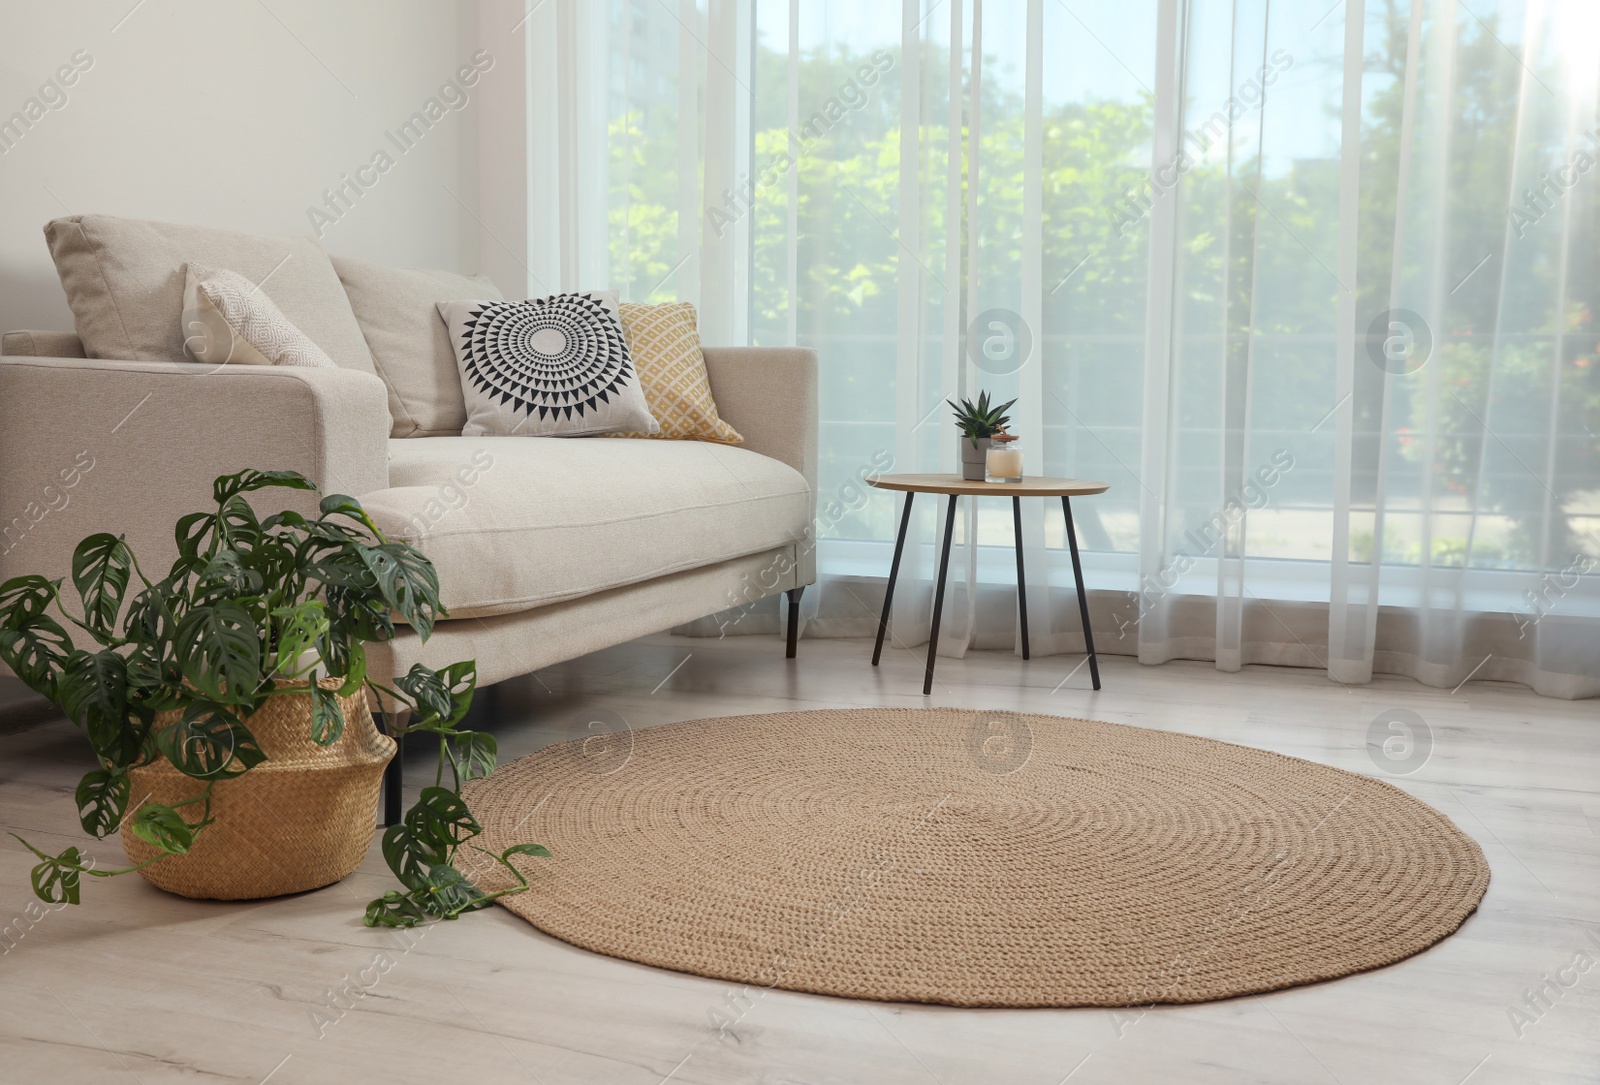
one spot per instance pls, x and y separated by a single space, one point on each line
240 113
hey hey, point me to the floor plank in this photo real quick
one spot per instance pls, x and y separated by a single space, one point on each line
139 985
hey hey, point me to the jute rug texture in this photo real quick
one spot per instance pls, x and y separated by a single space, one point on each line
973 858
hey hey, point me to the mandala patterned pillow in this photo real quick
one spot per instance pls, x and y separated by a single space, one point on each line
227 319
546 367
664 343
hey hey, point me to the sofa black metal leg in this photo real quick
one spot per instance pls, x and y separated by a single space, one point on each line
794 595
394 773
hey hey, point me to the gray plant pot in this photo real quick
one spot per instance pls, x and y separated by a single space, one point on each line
972 459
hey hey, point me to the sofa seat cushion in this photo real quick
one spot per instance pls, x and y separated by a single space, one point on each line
513 523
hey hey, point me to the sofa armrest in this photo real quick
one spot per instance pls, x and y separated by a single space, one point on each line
128 447
31 344
769 394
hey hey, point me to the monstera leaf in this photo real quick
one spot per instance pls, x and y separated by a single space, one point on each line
210 744
36 649
102 796
94 695
101 568
406 581
218 649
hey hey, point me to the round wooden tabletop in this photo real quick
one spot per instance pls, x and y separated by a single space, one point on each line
1030 486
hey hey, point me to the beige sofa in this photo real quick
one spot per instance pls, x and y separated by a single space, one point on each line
546 548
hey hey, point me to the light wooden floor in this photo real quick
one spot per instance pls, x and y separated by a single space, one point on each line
137 985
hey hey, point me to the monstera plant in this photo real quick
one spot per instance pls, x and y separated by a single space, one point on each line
252 609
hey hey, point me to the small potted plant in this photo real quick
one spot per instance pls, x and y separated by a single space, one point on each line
227 706
978 423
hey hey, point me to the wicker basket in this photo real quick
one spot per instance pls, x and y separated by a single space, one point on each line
302 819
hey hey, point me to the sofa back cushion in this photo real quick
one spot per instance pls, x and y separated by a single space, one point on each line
398 310
124 280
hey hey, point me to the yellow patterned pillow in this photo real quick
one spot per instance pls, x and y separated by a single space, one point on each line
664 342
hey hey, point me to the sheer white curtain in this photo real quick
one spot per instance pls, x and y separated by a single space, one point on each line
1313 290
1467 484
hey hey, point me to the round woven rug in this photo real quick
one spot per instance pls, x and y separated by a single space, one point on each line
973 858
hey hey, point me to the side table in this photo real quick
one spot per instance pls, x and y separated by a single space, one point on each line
955 486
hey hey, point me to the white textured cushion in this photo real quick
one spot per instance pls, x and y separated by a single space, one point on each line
514 523
124 280
398 312
546 367
227 319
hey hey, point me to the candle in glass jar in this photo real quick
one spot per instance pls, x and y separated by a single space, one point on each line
1004 460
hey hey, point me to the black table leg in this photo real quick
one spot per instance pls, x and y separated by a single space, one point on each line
794 595
894 574
1083 599
938 595
1022 580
